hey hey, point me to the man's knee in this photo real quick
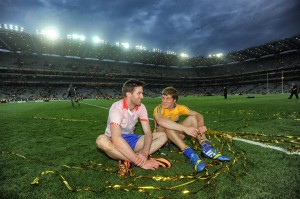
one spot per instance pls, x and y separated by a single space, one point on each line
160 136
164 137
190 121
192 118
102 142
170 132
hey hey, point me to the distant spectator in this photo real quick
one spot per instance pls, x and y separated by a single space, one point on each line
73 95
225 92
294 91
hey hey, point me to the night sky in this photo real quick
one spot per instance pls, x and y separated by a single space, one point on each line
195 27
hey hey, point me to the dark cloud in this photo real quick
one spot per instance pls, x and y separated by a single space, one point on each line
197 27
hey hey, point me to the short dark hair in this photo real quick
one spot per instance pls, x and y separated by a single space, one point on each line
130 85
171 91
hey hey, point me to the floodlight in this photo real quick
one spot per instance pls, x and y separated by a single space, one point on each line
218 55
98 40
82 37
171 53
95 39
50 33
184 55
140 47
75 36
125 45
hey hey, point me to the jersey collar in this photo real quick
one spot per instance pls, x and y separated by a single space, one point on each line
125 106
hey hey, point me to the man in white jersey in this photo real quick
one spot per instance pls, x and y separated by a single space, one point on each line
120 142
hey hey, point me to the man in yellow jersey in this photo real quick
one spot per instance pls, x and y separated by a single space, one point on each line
166 119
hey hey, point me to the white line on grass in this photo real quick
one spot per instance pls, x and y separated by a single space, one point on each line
238 139
94 105
267 146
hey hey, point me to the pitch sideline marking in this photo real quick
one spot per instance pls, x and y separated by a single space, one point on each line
266 146
238 139
95 105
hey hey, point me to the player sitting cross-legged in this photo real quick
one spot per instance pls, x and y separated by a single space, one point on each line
166 117
121 143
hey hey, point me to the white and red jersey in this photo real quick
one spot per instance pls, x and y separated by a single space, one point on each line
119 114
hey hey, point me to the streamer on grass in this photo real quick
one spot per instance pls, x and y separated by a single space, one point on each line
180 183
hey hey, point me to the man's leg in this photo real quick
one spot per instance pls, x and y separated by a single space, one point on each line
159 139
104 143
192 121
72 101
177 138
208 150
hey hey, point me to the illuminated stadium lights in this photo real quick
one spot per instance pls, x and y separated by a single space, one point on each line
218 55
76 37
12 27
183 55
171 53
124 45
98 40
140 48
50 33
157 50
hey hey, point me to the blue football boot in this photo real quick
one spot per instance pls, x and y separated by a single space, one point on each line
214 154
197 162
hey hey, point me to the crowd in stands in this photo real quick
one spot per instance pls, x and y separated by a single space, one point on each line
26 75
32 77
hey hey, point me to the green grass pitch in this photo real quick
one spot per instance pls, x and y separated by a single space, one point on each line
48 151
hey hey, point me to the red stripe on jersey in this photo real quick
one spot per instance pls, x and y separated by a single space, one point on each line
115 123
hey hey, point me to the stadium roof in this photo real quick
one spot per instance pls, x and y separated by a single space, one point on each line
272 48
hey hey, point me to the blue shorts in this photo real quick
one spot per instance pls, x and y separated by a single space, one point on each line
131 139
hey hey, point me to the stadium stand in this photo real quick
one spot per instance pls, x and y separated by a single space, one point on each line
33 68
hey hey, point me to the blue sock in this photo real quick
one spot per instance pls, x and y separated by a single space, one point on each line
206 145
188 152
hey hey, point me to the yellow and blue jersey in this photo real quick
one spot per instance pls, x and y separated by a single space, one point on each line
172 114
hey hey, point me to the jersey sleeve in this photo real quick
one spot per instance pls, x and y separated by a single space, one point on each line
156 110
183 110
143 114
115 115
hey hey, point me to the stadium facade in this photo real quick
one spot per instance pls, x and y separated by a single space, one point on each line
34 68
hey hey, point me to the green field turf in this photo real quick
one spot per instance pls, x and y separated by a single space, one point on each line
48 151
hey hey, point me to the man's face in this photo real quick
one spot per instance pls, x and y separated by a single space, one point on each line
168 102
137 96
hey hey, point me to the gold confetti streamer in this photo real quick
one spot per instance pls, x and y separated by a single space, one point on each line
213 170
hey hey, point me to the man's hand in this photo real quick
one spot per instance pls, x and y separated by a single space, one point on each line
202 129
150 165
191 131
140 159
